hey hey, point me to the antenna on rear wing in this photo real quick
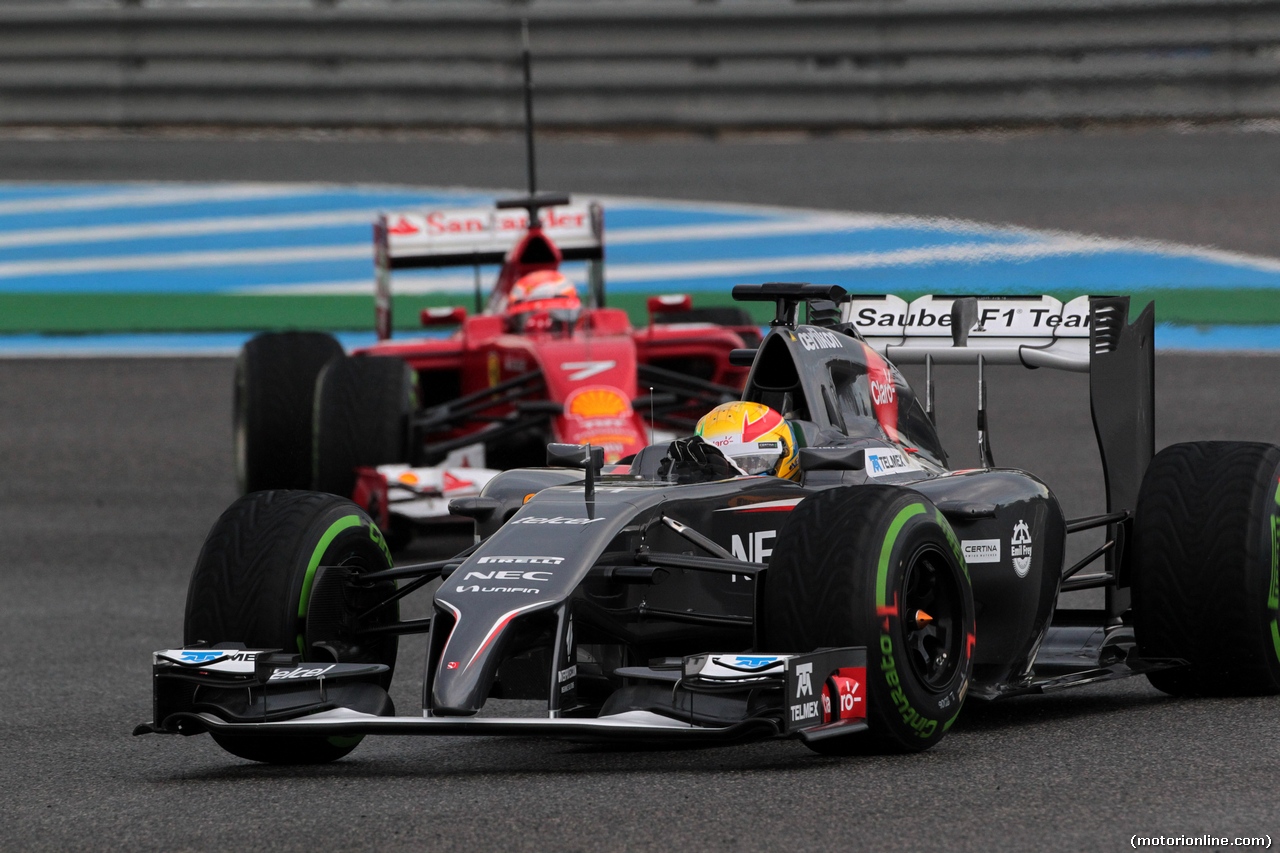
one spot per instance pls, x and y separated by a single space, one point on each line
532 202
530 166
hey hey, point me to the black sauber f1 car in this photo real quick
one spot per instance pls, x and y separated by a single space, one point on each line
855 608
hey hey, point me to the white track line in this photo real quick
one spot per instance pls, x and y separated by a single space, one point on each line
188 260
324 219
148 197
970 252
185 228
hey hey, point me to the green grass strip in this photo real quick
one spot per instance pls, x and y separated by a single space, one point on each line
89 313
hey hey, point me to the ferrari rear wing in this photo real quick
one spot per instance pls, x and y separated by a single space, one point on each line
452 237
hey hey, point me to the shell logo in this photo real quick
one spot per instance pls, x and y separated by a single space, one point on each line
600 402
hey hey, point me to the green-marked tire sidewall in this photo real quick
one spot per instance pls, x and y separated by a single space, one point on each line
903 707
337 538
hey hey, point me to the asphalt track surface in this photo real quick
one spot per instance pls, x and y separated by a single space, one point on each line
113 471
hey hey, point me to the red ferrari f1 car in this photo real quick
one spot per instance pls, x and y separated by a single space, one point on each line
404 426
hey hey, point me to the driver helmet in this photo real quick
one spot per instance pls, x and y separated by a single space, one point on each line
755 437
544 290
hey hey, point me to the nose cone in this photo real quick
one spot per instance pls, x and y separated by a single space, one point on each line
470 660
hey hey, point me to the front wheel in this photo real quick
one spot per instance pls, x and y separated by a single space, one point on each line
255 583
880 567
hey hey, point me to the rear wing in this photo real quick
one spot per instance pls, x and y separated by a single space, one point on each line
1088 334
451 237
1034 331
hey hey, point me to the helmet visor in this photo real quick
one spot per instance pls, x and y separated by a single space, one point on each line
756 457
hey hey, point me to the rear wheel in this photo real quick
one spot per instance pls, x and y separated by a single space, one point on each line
255 583
880 567
273 400
1206 578
362 411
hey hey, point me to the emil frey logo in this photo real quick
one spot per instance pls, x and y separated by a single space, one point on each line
1020 548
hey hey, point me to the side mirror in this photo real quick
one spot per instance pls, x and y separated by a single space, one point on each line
451 316
477 507
742 357
832 458
583 456
669 303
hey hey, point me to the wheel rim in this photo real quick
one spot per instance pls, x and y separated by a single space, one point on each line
931 617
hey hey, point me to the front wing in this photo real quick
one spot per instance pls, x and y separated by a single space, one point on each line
810 697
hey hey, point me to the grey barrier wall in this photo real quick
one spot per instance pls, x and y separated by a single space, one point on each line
624 63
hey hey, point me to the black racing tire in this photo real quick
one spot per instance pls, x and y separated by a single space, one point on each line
362 417
853 566
253 584
273 400
1206 573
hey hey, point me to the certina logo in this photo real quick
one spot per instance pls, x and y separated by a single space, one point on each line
981 550
285 674
882 393
882 463
559 519
1020 548
542 561
815 339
